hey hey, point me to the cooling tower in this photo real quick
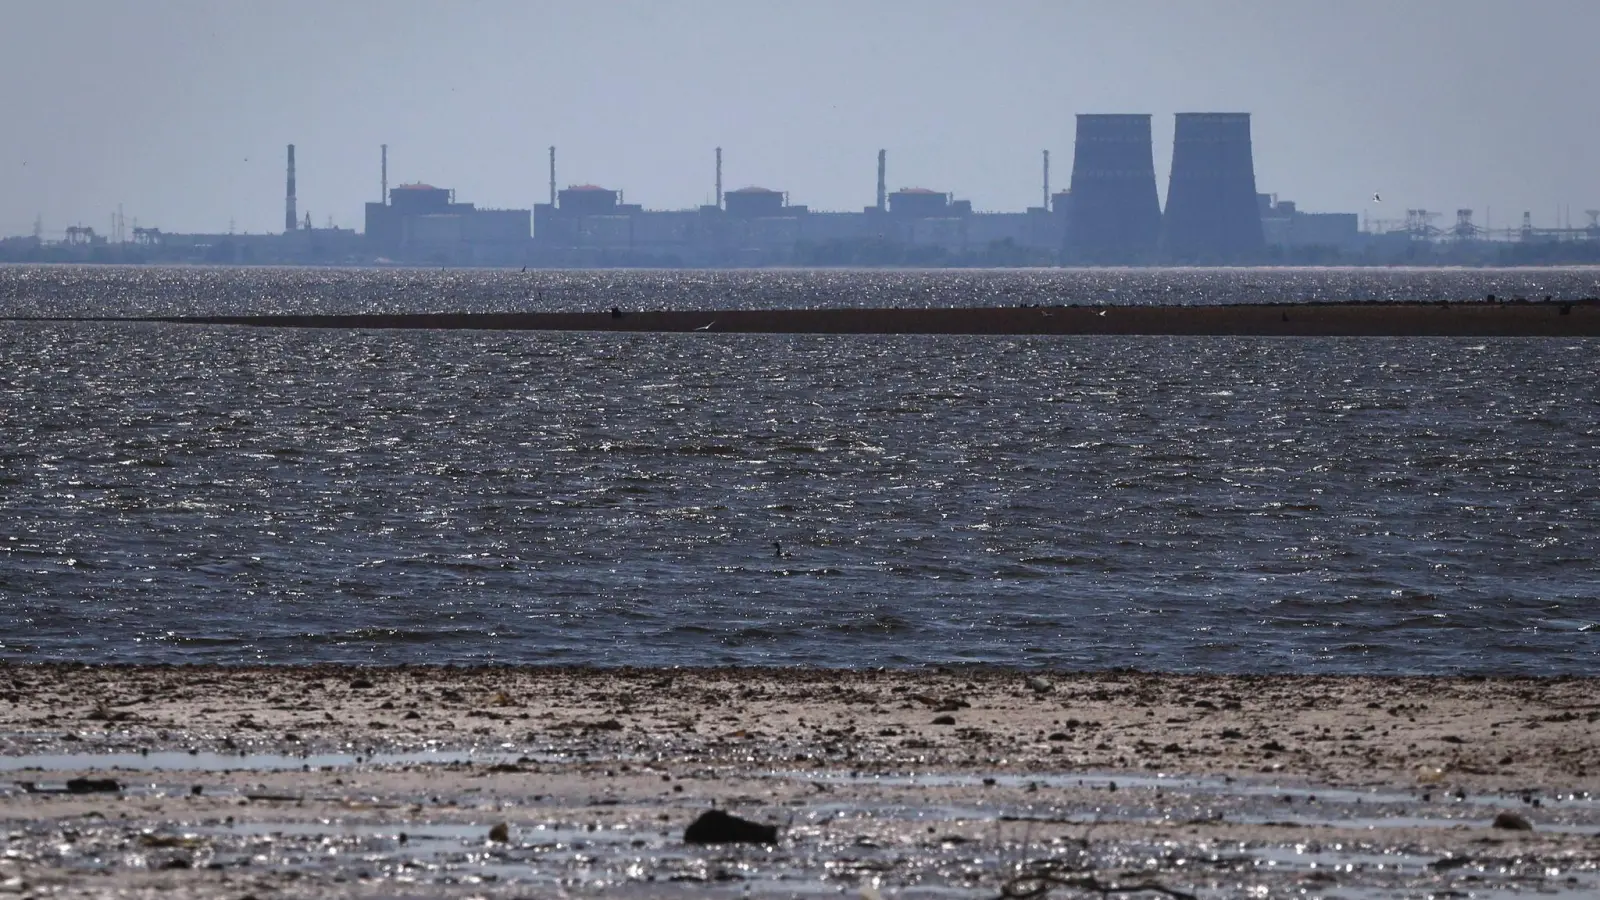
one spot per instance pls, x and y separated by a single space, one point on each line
1212 214
1116 216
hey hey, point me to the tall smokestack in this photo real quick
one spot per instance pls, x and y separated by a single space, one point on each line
552 174
1047 181
384 187
719 178
883 179
289 222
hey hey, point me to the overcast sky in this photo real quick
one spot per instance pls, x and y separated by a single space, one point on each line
180 109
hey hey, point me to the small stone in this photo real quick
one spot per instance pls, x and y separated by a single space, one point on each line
717 827
1511 821
1040 685
500 834
944 720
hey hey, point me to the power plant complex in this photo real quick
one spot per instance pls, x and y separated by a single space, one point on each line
1111 214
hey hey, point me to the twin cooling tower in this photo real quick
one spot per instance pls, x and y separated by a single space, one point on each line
1212 213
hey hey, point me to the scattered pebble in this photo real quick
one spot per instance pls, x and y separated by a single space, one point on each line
718 827
1511 821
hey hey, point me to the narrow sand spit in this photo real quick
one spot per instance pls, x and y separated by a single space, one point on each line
1548 318
325 781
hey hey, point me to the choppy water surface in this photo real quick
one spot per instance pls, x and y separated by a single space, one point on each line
1233 504
123 291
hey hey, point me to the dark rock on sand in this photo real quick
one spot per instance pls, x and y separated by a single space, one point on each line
1511 821
717 827
93 786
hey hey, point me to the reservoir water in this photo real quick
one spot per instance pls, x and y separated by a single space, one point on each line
213 494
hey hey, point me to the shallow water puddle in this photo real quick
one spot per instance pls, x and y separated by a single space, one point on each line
1199 784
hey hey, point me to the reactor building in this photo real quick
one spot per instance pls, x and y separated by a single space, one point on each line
589 224
420 222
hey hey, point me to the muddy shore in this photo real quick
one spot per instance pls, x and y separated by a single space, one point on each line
1579 318
325 781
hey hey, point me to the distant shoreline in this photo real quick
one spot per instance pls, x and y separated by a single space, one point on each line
1580 318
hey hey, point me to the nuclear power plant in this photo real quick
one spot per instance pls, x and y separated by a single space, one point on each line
1111 214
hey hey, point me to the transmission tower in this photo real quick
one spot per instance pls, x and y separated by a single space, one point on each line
1464 230
1420 223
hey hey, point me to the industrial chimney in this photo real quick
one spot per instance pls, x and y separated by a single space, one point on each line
1046 206
1212 212
552 175
289 221
383 188
883 180
1116 214
719 178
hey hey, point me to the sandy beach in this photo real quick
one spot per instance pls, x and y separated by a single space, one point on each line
324 781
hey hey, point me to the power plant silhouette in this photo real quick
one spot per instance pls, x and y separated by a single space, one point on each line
1115 215
1212 211
1110 215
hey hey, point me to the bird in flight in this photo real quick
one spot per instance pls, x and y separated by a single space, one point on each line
1376 198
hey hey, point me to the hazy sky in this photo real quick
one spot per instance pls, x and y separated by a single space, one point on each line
180 109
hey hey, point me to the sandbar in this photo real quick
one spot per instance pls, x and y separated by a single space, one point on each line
1579 318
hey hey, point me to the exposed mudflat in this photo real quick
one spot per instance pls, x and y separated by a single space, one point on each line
1549 318
345 782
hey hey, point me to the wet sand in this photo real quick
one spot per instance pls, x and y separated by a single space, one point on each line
328 781
1480 319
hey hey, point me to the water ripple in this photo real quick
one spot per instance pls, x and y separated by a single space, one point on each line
1232 504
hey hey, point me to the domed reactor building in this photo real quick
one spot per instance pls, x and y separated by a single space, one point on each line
1115 213
1212 212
